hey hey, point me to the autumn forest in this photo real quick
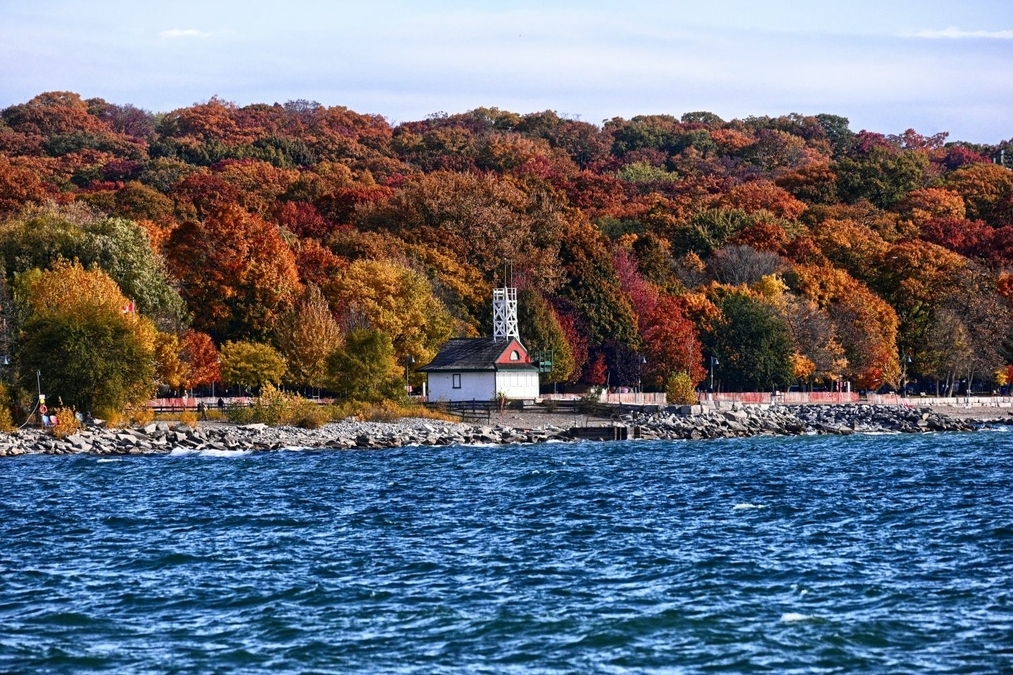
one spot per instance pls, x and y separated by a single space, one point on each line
318 247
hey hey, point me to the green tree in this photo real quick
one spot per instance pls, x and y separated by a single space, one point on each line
752 345
119 247
91 353
594 289
102 364
709 230
883 175
364 369
251 364
540 330
840 136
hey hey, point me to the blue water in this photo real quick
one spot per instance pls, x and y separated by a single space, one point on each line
817 554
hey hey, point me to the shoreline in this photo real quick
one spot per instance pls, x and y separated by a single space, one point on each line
513 427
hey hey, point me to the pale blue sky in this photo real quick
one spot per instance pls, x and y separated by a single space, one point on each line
935 65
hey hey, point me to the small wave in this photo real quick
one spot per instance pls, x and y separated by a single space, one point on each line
790 617
107 459
743 507
225 453
186 452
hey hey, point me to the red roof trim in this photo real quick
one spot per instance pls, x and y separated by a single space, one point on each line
504 357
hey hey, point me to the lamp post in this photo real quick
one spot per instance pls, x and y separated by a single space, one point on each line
714 362
408 364
903 375
640 374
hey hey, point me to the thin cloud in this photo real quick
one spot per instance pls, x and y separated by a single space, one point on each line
954 33
183 33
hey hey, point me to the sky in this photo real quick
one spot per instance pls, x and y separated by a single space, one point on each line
887 65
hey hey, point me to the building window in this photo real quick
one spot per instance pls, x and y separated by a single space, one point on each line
457 381
515 355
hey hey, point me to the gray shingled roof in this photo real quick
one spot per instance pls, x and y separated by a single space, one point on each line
472 354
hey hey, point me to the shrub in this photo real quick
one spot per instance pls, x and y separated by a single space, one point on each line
309 415
6 418
112 418
188 418
590 402
67 422
679 390
275 407
387 411
141 415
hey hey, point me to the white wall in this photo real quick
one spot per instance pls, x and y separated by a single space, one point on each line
474 386
517 384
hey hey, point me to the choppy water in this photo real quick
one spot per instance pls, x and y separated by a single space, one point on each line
858 554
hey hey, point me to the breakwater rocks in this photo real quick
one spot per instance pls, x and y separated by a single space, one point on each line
740 421
687 422
212 438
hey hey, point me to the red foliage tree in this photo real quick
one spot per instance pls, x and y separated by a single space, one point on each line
18 187
198 353
235 273
671 343
302 219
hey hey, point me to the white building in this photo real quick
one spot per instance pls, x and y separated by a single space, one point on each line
480 369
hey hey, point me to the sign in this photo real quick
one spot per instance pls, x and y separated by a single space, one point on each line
42 399
543 359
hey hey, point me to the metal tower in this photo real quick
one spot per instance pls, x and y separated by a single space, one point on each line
504 314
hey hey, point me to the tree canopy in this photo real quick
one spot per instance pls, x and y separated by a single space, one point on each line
792 247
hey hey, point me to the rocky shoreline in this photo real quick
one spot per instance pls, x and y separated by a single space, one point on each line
686 422
743 421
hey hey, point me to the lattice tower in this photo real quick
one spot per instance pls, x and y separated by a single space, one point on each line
504 314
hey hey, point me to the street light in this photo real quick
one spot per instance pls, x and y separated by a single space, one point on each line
903 375
408 364
640 369
714 362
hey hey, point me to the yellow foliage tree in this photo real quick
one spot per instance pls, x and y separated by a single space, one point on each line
306 336
396 301
169 368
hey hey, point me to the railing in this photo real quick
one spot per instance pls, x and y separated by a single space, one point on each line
782 397
184 403
467 410
631 398
964 400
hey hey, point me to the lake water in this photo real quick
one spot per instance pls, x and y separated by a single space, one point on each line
815 554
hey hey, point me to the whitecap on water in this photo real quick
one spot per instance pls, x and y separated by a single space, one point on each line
789 617
743 507
182 452
186 452
109 459
224 453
